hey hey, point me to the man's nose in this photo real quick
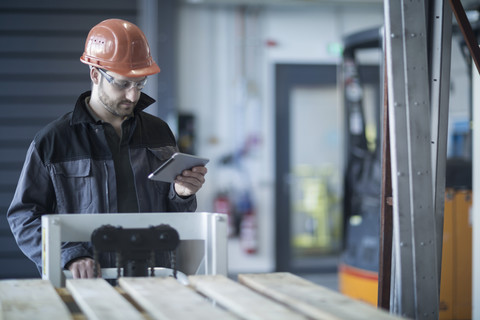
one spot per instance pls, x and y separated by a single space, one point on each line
132 93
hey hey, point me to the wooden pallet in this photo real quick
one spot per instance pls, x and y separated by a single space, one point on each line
266 296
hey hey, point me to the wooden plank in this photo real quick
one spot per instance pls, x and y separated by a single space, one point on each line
313 300
99 300
72 306
240 300
166 298
31 299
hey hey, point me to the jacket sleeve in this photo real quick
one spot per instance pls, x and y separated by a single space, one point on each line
179 204
34 197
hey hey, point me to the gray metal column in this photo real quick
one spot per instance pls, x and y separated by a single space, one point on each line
440 61
415 292
476 195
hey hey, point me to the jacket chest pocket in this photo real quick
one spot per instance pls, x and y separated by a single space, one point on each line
72 181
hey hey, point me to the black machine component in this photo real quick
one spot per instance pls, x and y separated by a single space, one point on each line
136 249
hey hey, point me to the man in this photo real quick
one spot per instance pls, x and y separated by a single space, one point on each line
96 159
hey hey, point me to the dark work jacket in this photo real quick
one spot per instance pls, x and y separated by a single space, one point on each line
69 169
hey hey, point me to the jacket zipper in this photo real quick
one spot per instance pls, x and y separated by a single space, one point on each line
134 179
107 198
108 255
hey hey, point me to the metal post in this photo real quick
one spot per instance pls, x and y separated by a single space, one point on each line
51 251
415 279
440 58
385 259
218 245
476 196
402 297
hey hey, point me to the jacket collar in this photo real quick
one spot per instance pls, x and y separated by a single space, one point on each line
80 113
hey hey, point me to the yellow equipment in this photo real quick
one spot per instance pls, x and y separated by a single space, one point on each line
456 273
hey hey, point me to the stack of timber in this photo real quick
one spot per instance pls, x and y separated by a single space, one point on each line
255 296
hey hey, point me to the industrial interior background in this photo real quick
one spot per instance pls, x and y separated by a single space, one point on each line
256 86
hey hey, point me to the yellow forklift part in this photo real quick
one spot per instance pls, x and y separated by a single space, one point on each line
456 273
456 283
358 283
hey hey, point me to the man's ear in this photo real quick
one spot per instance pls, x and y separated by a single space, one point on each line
95 75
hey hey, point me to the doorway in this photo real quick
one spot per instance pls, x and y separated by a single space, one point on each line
309 168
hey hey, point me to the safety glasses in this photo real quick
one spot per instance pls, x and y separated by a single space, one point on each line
123 84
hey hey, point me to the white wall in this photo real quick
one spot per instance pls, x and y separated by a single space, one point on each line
226 79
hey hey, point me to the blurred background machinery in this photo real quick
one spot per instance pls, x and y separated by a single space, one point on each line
359 266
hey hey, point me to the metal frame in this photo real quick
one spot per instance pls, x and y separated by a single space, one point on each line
440 57
210 227
415 285
476 195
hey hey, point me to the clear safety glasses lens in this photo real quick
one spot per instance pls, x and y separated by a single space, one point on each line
123 84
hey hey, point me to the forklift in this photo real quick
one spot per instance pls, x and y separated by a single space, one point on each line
359 265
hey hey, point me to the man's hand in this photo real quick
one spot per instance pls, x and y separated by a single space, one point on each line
190 181
83 268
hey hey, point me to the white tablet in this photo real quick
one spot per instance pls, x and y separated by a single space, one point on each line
174 166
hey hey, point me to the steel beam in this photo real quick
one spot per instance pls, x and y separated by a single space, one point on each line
440 61
415 289
385 259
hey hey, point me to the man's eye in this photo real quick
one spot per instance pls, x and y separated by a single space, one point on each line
122 84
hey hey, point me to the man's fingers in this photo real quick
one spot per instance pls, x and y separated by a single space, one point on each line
190 181
75 272
83 268
196 176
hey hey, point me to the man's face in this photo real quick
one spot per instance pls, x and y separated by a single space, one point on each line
119 100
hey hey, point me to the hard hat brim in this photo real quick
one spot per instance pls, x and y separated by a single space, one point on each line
126 71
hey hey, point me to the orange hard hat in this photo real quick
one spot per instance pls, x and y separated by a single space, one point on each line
121 47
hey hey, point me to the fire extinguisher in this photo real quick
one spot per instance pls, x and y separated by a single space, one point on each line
248 227
222 204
